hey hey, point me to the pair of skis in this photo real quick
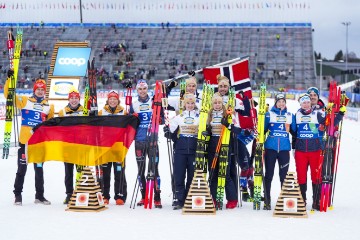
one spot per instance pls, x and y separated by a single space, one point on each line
14 52
259 151
153 184
224 151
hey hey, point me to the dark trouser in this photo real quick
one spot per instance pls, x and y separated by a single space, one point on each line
21 171
69 178
245 163
283 158
120 185
213 173
231 179
141 150
184 166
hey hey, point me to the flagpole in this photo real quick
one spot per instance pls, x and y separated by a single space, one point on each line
200 70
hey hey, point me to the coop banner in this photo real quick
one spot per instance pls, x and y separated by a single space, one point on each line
82 140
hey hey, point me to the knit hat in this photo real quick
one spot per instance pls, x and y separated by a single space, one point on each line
191 80
222 80
141 83
304 98
40 83
114 94
313 89
74 93
279 96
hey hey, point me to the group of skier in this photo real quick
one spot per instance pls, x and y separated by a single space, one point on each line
305 126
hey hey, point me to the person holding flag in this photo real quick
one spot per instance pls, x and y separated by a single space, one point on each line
73 108
113 108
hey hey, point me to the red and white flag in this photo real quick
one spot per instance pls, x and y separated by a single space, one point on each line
237 73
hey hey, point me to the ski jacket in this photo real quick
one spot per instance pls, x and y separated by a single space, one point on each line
67 111
32 113
278 124
187 124
106 111
307 129
143 108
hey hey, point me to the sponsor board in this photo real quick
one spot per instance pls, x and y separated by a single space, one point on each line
71 61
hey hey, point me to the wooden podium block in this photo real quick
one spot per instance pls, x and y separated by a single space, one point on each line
290 202
199 200
87 196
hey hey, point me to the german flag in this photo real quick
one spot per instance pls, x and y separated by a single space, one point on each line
82 140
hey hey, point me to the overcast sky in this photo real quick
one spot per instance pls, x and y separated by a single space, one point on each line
330 35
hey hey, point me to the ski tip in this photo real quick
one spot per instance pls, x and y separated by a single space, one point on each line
312 211
331 208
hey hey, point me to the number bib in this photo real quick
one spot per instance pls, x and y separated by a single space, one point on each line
31 118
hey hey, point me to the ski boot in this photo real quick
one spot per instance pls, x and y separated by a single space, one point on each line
67 199
42 200
119 201
231 204
106 201
177 206
18 200
157 204
141 202
267 205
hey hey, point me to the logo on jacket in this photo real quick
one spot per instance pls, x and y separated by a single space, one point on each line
189 120
144 107
305 119
281 118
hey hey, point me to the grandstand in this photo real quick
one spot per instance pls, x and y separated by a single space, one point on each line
280 54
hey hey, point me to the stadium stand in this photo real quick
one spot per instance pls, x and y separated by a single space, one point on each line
280 53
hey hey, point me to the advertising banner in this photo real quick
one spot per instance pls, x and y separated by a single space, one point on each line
71 61
60 87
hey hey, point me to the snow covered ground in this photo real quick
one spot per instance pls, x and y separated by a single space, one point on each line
41 222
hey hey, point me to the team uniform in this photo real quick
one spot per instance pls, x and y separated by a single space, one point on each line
143 108
186 125
69 167
277 146
120 185
34 110
308 145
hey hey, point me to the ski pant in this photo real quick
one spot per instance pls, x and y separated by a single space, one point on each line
283 158
231 179
69 178
184 166
303 160
21 172
245 163
120 185
213 173
141 151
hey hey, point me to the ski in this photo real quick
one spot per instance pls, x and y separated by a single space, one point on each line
224 152
14 59
330 146
207 94
259 151
153 146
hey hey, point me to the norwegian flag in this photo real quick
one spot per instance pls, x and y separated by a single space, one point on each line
237 73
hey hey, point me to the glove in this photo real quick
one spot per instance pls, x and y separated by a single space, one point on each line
191 73
224 122
172 84
182 93
207 132
342 110
329 106
267 107
135 114
128 84
167 133
10 73
246 132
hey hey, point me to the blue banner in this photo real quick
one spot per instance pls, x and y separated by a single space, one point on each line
71 62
